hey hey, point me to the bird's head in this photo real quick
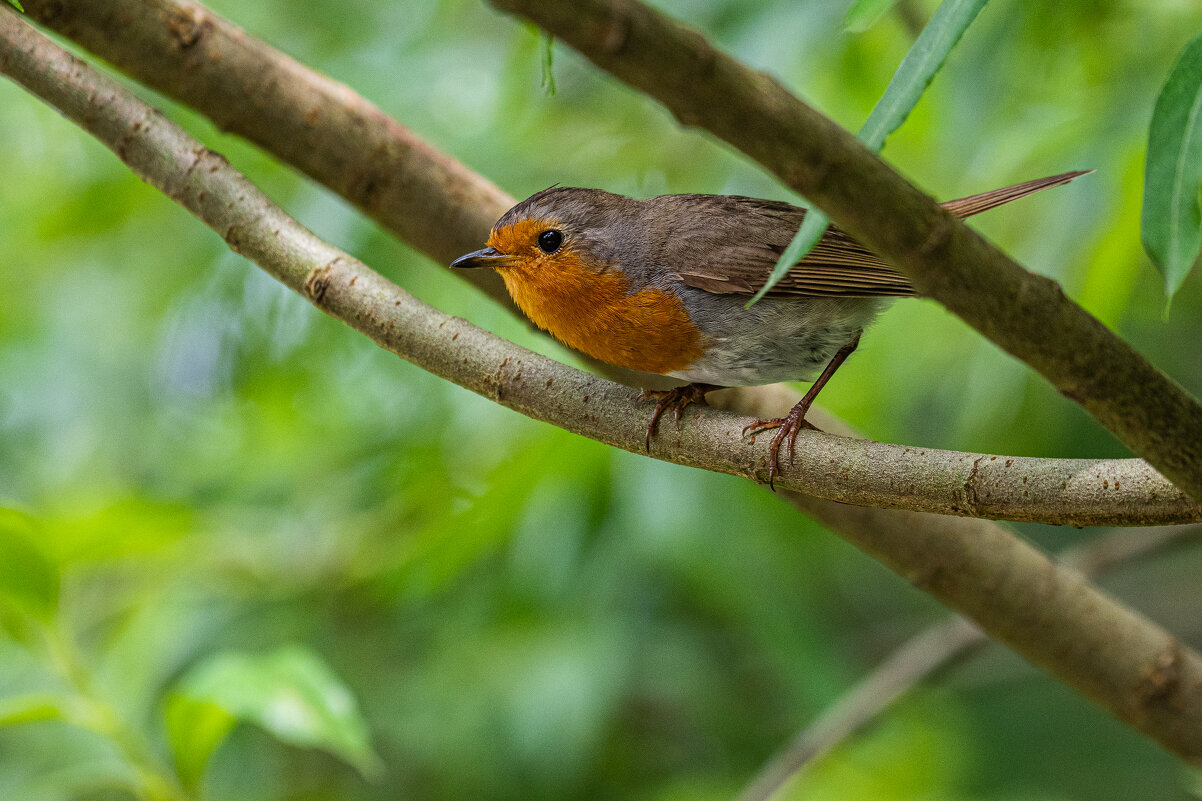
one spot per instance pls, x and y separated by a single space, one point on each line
576 262
561 233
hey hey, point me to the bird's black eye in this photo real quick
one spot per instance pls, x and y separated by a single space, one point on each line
549 241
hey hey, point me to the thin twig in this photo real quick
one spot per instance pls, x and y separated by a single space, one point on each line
931 651
909 664
1026 314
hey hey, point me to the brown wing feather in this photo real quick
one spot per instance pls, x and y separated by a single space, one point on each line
838 266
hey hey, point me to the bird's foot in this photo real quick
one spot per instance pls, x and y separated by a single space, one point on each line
675 399
786 429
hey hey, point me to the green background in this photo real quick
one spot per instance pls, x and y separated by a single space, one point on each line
212 466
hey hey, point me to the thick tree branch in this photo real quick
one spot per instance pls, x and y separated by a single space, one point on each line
1026 314
930 651
1124 662
245 86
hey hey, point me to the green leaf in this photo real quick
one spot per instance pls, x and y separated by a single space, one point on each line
27 576
195 727
918 68
863 14
17 5
291 693
31 708
812 228
913 76
1172 219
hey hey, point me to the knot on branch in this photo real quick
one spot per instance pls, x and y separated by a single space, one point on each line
969 499
495 383
938 233
318 281
1161 678
188 25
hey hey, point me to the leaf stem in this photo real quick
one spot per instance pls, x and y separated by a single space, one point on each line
91 710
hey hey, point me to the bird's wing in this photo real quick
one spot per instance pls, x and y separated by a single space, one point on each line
736 241
732 244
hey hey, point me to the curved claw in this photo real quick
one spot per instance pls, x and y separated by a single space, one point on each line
795 420
675 399
787 428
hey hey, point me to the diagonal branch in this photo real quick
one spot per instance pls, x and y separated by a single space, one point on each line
306 119
1026 314
444 209
1116 657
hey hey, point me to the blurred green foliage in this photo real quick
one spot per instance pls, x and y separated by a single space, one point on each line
206 465
863 14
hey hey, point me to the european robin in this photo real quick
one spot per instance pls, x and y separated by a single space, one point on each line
661 286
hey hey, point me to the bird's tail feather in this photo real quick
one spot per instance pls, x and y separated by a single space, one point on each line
975 204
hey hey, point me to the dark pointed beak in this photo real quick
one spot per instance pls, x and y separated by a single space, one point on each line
488 257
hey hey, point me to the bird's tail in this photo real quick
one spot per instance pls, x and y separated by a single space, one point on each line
975 204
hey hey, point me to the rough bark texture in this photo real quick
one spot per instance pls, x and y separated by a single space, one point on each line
1026 314
317 125
1050 615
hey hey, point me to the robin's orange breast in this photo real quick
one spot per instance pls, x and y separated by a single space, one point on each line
594 312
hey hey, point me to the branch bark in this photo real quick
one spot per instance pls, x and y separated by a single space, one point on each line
1124 662
1026 314
315 124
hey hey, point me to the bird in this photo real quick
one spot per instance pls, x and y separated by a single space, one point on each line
661 286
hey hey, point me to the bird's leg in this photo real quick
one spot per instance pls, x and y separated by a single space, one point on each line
788 426
675 399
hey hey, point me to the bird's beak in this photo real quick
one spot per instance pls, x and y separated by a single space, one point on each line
488 257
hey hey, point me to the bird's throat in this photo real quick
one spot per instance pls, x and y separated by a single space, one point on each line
594 312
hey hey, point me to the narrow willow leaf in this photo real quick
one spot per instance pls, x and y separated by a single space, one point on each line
913 76
17 5
812 228
918 68
290 693
863 14
547 61
1171 221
